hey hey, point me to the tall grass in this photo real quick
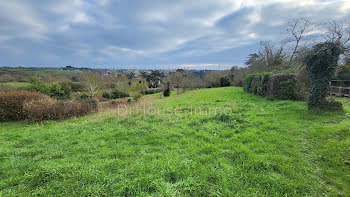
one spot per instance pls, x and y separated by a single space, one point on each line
262 148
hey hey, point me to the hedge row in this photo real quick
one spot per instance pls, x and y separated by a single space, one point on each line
273 86
115 94
35 106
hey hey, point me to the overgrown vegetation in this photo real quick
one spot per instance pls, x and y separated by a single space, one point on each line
321 62
273 86
12 103
115 94
138 87
35 106
262 148
166 92
55 90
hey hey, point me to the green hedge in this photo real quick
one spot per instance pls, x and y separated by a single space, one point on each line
273 86
257 83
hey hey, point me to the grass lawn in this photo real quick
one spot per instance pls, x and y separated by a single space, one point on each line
262 148
16 84
38 71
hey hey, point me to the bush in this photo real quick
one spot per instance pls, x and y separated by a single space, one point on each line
59 91
114 94
106 95
118 94
263 83
75 78
303 83
35 106
247 83
42 109
225 81
136 97
6 78
39 86
84 96
321 62
282 86
287 90
153 91
138 87
7 87
254 84
343 73
166 92
274 86
330 104
257 83
76 87
11 103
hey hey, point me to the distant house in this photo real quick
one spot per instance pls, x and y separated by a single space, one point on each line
69 68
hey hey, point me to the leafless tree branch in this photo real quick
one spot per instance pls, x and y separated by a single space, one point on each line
297 30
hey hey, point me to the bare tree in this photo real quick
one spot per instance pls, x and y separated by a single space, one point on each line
338 32
212 78
297 30
269 56
93 82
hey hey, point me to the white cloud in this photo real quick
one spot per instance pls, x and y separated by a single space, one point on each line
134 30
24 24
81 17
117 52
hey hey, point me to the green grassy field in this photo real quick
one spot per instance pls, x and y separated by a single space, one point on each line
16 84
38 71
256 148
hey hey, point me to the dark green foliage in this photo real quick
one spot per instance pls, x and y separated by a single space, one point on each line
167 91
225 81
257 83
76 86
247 83
321 62
118 94
344 73
330 104
153 91
254 84
106 95
56 90
39 86
287 90
263 83
75 78
153 78
283 86
60 91
278 86
115 94
84 96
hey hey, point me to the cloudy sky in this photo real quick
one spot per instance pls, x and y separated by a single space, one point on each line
148 33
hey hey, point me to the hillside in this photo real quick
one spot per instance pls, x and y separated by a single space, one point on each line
252 147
